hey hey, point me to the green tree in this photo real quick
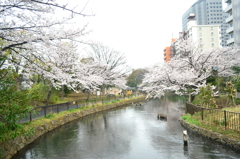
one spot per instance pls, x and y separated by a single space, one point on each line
38 92
236 79
135 78
206 97
231 93
14 105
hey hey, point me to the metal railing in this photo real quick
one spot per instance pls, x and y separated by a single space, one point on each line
218 117
42 111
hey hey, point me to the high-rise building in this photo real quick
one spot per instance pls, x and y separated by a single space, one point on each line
208 12
169 52
233 19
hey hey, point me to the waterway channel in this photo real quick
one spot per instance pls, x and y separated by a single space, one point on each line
131 132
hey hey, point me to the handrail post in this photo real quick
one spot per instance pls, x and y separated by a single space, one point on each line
225 119
202 113
186 108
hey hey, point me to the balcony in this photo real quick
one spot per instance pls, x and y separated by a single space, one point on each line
229 30
228 8
229 19
230 41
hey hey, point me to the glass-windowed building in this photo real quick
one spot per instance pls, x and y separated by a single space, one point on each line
208 12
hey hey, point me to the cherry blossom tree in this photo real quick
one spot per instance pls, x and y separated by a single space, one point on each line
29 26
189 70
115 62
63 67
41 43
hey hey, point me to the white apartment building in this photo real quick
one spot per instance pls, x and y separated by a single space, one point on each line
233 19
204 36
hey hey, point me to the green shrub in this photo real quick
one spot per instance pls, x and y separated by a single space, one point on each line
14 106
114 101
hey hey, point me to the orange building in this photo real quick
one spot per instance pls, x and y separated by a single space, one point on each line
168 52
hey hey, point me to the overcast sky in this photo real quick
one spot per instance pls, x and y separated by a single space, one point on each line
139 28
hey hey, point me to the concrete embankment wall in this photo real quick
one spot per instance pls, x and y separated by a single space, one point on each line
11 147
211 135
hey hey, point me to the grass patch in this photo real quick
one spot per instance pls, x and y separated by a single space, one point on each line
196 120
189 119
235 109
50 116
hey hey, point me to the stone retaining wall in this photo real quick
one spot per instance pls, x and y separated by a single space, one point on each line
11 147
211 135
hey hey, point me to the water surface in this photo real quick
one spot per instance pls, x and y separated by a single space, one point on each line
132 132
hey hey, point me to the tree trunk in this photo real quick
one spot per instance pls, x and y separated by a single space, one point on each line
49 94
62 92
103 88
18 80
88 95
191 98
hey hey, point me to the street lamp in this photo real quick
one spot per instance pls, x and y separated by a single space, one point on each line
215 73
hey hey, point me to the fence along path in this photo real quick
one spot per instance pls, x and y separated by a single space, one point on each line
223 118
56 108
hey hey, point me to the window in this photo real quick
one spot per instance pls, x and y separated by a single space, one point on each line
211 33
212 39
212 44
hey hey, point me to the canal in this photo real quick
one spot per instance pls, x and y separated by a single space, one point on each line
131 132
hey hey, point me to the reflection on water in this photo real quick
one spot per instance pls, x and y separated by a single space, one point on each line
127 132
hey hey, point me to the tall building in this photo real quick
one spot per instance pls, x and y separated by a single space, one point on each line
204 36
208 12
233 19
169 52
